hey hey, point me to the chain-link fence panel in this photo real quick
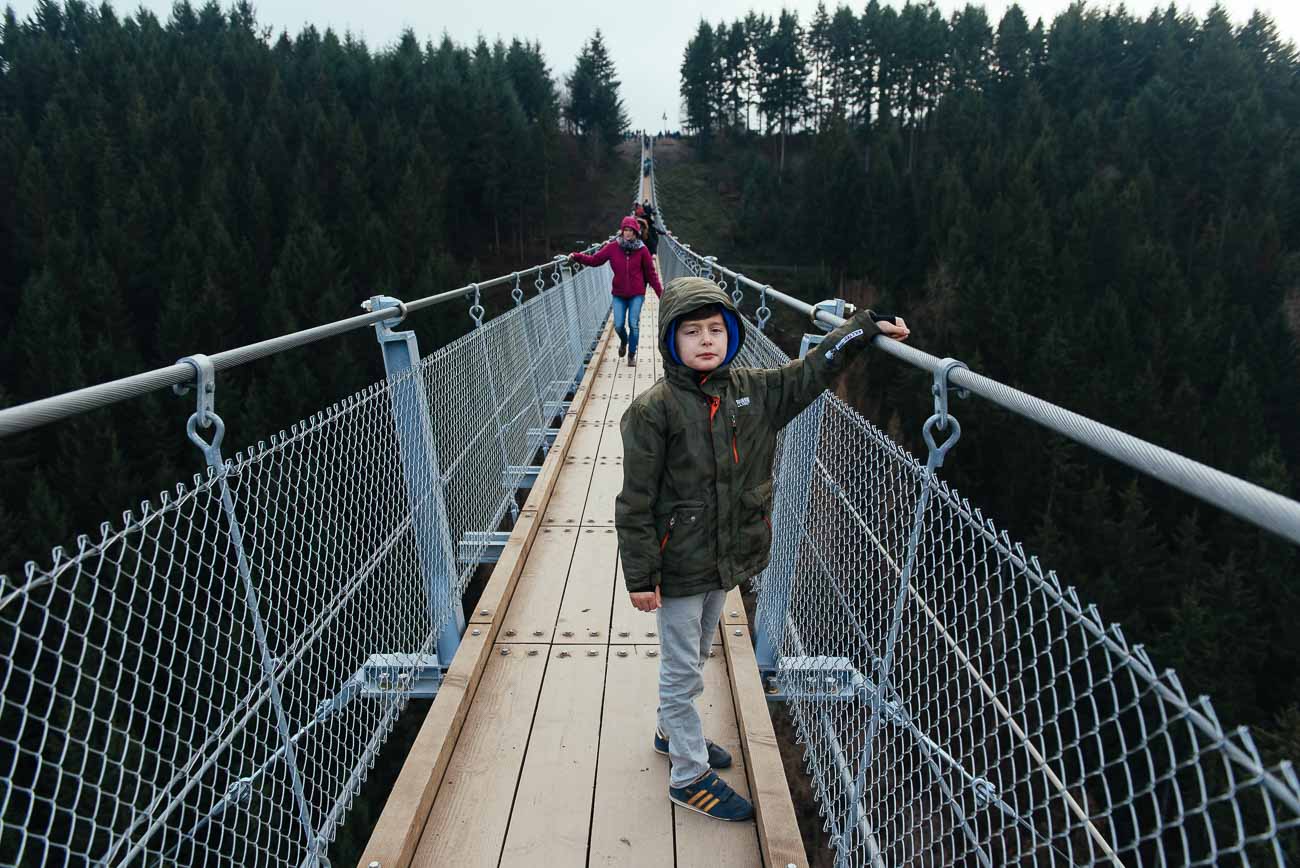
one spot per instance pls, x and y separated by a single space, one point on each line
210 682
494 391
960 706
139 724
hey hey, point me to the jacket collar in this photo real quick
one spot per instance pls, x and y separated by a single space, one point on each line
685 378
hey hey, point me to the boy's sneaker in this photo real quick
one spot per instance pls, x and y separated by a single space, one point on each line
622 346
718 757
631 360
711 797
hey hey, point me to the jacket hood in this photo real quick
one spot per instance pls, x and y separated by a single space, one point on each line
685 294
630 223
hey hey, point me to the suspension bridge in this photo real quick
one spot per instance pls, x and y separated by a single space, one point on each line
210 681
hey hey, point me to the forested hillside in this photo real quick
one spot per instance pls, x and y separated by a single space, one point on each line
1103 210
187 186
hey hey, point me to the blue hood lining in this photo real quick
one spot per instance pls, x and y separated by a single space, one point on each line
733 337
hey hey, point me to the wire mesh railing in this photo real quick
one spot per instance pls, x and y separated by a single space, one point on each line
959 705
209 682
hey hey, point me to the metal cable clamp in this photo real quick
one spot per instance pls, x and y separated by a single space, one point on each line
476 309
205 401
941 419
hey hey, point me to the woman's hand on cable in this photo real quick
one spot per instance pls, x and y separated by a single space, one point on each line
896 330
646 601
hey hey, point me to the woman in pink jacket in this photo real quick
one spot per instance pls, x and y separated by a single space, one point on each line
633 267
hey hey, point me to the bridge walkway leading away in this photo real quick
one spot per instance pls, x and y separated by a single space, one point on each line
550 762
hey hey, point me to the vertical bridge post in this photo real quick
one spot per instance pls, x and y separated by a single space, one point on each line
423 475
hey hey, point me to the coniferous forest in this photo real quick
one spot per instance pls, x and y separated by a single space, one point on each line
1102 210
195 184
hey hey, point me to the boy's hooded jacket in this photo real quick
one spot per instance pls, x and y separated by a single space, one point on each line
694 514
633 269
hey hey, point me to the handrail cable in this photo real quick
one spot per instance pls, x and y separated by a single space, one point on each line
34 414
1259 506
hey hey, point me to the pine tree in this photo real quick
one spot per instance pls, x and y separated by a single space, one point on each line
698 80
595 107
972 49
1014 48
737 74
848 54
819 61
784 71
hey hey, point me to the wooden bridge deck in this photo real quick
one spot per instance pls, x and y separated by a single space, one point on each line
537 750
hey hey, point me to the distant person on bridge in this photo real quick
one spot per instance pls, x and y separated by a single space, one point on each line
633 267
694 515
650 235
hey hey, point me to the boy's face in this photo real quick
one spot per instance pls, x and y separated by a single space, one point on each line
702 344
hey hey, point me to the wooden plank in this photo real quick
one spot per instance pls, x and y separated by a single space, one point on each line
778 829
505 574
397 832
733 612
597 406
546 829
620 400
535 604
606 483
588 594
628 626
570 495
470 814
702 842
586 437
631 822
611 441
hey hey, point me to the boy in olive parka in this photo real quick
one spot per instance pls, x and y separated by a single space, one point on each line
694 514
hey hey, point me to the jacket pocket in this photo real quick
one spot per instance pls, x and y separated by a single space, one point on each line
755 524
683 538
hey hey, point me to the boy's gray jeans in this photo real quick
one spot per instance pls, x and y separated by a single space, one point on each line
686 626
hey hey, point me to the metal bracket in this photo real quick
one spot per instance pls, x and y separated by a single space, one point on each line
526 474
379 302
763 313
544 437
417 675
941 419
555 409
809 341
837 306
941 387
476 309
818 678
205 385
482 546
205 402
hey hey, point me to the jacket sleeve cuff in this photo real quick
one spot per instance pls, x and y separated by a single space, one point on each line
645 583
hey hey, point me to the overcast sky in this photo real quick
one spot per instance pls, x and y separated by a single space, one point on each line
645 39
